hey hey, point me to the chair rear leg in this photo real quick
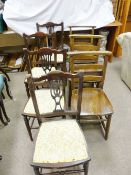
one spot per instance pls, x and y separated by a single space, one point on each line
28 127
107 126
27 89
3 110
7 89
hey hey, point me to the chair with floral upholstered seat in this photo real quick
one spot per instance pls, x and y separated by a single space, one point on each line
60 145
53 101
45 61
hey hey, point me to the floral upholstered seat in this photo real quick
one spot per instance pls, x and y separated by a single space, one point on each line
60 141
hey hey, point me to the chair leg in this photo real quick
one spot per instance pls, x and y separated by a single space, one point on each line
0 157
28 127
3 109
7 88
107 127
27 89
36 170
86 165
1 117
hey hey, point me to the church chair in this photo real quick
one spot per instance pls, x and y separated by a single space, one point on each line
45 61
95 106
53 101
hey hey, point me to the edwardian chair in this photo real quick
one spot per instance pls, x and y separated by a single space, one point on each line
60 144
51 28
45 61
53 101
95 106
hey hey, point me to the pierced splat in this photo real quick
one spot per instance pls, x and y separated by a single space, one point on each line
57 93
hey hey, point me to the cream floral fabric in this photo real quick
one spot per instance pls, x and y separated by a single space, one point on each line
38 71
59 58
60 141
44 100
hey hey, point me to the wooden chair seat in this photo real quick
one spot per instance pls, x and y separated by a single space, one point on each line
45 103
94 102
60 142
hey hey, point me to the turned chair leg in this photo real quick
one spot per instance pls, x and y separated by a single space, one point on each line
107 127
7 89
28 127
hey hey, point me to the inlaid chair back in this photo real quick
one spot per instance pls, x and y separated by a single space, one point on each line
51 28
94 74
56 98
45 58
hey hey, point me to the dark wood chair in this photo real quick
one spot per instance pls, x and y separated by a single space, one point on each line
53 101
50 28
43 61
60 145
95 106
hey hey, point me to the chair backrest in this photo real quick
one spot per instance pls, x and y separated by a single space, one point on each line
45 58
58 84
49 28
36 40
84 42
94 74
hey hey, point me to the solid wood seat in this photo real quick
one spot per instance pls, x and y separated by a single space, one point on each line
95 106
94 102
57 142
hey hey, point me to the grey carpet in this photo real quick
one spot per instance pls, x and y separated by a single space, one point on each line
110 157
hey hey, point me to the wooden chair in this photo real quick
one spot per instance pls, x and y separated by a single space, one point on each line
95 106
49 28
53 101
34 42
43 61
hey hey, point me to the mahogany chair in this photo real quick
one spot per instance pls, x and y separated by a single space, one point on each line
35 42
53 101
43 61
95 106
51 28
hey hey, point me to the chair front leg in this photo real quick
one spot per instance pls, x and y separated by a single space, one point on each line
86 165
7 88
1 118
28 127
36 170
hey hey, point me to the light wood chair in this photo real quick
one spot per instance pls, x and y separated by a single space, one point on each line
95 106
50 28
53 101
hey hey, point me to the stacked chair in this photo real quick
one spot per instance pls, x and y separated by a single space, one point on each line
58 100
